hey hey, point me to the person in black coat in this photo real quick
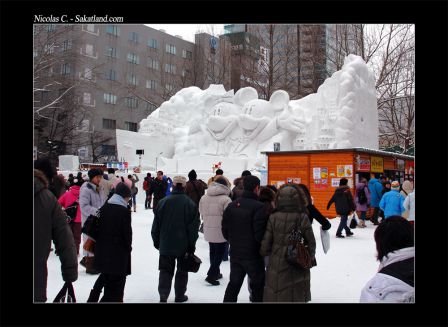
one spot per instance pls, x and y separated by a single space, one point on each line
243 226
159 187
114 244
345 205
314 213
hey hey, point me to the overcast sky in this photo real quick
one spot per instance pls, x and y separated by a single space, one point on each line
187 31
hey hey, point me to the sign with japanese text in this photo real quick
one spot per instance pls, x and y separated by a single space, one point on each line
363 164
400 164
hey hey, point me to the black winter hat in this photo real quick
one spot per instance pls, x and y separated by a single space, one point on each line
245 173
192 175
94 172
123 190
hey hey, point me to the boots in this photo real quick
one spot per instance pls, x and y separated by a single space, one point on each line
94 295
89 266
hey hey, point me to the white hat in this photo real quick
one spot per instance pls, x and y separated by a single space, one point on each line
180 180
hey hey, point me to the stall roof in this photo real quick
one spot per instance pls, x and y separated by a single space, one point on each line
366 150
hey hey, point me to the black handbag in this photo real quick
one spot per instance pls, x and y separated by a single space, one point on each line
297 252
91 227
66 294
189 262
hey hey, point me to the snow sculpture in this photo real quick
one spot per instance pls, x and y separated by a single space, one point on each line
218 123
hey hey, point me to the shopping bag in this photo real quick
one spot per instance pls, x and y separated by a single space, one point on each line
325 238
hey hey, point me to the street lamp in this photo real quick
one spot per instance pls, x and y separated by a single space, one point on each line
156 160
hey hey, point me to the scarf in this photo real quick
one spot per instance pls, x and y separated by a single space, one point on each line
397 255
118 199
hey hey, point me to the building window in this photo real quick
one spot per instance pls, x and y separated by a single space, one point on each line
150 106
171 69
187 54
88 73
153 64
132 80
65 69
170 49
51 28
131 102
152 43
185 72
111 52
106 149
111 75
110 98
49 48
150 84
169 87
133 37
133 58
66 45
87 98
113 30
109 123
130 126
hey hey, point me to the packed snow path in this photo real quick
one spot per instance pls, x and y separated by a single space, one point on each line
338 277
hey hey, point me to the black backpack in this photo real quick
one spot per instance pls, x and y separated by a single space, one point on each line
362 197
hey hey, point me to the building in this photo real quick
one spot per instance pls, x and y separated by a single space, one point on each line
295 58
90 79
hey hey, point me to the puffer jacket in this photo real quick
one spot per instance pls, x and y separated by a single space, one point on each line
211 207
364 206
285 283
50 223
395 280
392 203
343 200
68 198
90 200
375 189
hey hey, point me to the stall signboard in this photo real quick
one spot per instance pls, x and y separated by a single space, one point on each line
348 170
324 173
376 164
340 171
389 164
400 164
316 173
363 164
335 182
321 183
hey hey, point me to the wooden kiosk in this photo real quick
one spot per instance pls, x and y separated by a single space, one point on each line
321 170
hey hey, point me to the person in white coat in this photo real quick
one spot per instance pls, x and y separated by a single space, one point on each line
211 208
394 281
409 205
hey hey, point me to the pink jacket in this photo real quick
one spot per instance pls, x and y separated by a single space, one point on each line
68 198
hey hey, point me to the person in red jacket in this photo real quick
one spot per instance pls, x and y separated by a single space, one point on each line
68 199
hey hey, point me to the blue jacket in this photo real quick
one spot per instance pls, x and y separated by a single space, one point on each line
375 189
392 203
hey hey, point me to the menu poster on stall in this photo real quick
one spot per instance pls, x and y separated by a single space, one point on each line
335 182
376 164
324 173
316 173
297 180
348 170
340 171
320 183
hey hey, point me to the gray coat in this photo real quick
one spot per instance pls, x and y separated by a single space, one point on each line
50 223
90 200
285 283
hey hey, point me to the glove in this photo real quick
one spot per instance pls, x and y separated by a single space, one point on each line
191 249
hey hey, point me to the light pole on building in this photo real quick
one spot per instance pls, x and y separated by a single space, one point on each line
157 157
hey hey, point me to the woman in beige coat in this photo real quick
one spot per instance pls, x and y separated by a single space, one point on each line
406 189
211 208
285 283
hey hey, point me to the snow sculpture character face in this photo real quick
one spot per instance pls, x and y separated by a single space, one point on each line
253 113
222 114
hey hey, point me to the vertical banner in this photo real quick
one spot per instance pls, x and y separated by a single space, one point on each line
376 164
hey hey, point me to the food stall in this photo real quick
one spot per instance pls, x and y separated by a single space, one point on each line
321 170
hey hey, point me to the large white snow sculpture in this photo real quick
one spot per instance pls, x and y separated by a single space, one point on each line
218 123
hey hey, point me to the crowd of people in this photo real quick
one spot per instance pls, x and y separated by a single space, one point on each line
254 221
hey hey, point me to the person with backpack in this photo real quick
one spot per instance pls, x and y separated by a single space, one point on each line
362 200
148 190
392 202
195 188
345 205
134 190
394 281
70 203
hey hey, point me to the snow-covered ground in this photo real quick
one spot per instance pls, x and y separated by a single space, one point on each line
338 277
